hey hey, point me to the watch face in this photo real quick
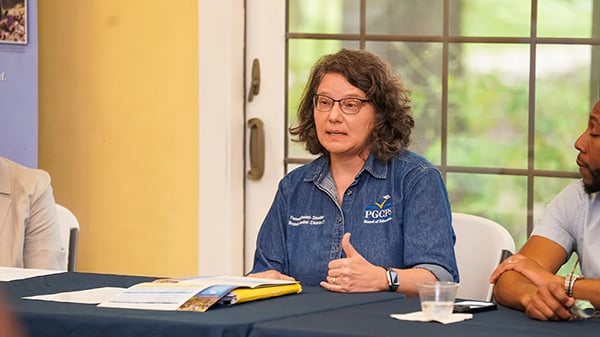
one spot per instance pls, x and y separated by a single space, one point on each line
393 278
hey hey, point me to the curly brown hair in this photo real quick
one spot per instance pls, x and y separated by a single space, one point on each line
388 95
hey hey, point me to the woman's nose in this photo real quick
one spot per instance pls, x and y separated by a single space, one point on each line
336 111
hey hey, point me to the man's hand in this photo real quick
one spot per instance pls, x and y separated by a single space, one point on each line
549 303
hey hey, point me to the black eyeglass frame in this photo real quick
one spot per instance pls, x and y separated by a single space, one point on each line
359 102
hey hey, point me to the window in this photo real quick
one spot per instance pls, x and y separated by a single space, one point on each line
500 89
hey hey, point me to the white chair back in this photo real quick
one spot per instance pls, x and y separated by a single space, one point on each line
481 244
69 228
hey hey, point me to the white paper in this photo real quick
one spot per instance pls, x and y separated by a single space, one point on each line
153 296
241 281
11 274
88 296
420 317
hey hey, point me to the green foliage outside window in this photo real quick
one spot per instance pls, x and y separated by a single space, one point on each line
489 91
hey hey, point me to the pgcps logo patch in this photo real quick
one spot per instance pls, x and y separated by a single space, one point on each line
380 211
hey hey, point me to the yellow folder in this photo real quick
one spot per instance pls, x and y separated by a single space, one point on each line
241 295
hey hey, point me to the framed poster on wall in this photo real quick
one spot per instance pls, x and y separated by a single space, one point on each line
19 81
13 21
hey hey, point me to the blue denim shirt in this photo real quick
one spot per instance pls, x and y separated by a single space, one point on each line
398 213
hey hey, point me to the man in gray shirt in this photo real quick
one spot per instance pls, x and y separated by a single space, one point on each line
571 223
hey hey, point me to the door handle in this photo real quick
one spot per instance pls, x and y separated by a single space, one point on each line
257 149
255 83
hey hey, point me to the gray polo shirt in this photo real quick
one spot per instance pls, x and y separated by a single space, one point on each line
572 219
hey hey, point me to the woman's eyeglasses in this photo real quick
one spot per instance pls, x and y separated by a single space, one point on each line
349 106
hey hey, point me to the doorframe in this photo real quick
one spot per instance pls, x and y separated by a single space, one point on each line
221 141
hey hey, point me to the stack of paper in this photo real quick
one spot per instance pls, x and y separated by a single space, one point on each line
199 293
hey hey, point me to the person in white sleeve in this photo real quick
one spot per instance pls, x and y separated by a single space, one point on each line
29 228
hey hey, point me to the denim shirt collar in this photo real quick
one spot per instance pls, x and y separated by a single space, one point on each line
321 169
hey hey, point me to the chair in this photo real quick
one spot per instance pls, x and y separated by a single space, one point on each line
69 228
481 244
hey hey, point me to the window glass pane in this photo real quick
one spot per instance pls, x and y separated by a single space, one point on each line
491 18
501 198
302 56
562 104
488 88
419 66
595 70
324 17
488 105
291 167
407 17
560 18
544 190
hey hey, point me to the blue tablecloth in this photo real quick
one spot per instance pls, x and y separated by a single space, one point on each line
45 318
373 320
313 313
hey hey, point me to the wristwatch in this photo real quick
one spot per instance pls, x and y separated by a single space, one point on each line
570 282
392 278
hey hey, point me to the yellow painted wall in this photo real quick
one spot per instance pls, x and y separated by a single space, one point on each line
118 86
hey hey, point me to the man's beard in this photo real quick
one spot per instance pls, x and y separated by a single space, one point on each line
594 186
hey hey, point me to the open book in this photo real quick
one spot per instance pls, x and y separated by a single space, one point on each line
199 293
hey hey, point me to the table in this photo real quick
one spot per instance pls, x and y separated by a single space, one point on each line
45 318
314 313
373 320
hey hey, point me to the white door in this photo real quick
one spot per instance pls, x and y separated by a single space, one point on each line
232 206
265 42
221 137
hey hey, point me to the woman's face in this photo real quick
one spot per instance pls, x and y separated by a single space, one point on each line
342 134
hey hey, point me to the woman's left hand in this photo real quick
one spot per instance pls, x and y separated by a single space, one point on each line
354 273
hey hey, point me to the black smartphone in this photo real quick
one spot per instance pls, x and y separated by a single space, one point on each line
474 306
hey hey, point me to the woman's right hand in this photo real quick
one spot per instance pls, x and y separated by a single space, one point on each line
272 274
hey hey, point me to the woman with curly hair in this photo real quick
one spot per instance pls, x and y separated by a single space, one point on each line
355 113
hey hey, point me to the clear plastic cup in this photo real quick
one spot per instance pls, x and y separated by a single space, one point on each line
437 298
